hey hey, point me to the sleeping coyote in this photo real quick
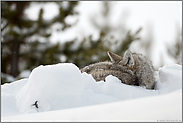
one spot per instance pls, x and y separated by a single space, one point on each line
131 69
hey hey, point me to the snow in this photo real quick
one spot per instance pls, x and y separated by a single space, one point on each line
24 74
8 97
63 93
144 109
51 85
8 77
170 77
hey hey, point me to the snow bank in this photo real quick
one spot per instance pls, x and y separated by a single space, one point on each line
161 108
63 86
8 97
170 77
52 86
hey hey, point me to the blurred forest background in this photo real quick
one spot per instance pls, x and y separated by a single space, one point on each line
25 43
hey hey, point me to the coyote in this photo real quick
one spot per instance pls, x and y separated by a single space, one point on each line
131 69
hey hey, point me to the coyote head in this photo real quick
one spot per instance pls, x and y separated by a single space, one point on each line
127 60
140 65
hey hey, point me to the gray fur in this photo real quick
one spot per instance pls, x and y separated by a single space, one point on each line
101 70
144 71
131 69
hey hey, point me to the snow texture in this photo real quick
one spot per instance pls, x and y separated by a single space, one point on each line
78 97
51 85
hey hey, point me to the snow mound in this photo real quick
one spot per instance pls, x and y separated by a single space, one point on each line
8 97
51 87
170 77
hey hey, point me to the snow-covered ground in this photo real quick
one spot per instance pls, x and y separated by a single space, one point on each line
61 92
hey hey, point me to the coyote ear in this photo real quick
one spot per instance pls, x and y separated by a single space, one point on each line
114 57
128 59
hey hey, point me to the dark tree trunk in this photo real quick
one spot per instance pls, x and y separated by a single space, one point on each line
14 58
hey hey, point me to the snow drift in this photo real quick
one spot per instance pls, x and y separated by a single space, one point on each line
161 108
63 87
51 86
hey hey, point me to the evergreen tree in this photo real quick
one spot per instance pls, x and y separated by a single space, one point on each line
91 51
20 44
17 30
175 50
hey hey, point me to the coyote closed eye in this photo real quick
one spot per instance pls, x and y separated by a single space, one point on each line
131 69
